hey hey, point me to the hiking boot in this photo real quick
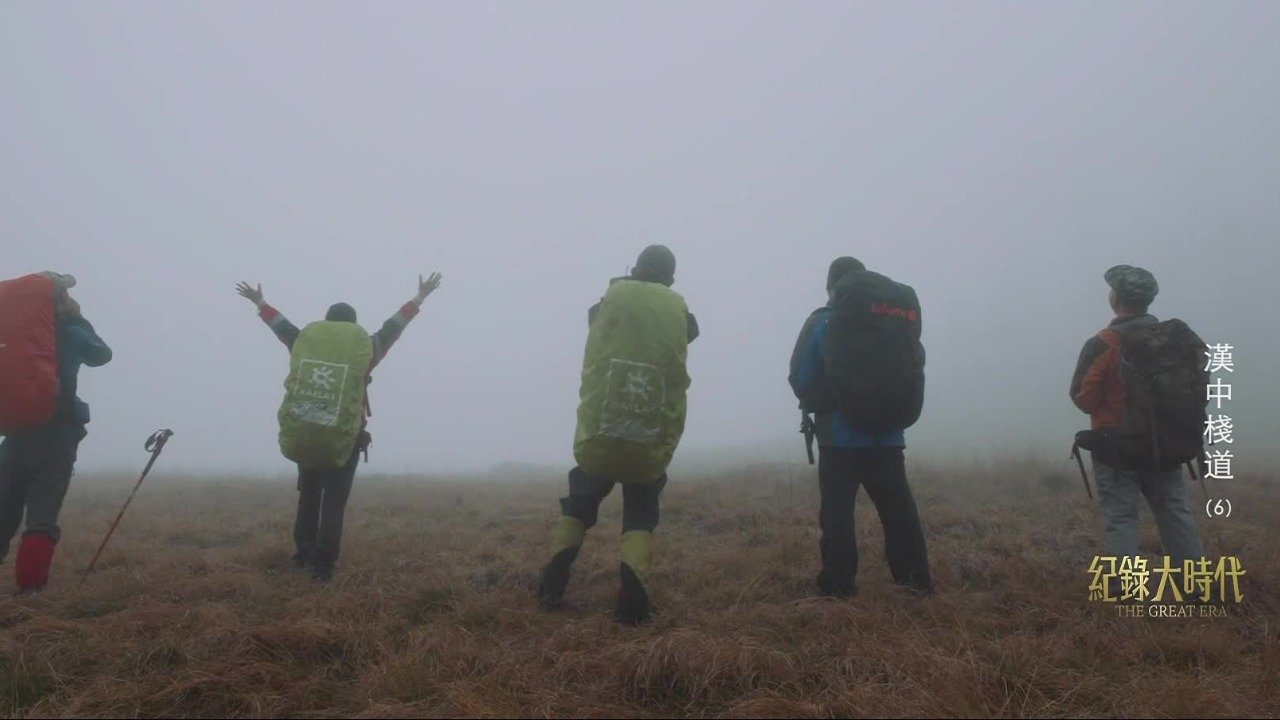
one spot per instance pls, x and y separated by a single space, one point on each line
322 573
918 590
300 560
843 592
633 602
831 587
917 584
555 578
27 592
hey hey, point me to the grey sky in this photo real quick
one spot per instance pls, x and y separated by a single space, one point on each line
997 156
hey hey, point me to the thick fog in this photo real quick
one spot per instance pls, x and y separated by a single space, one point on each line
997 156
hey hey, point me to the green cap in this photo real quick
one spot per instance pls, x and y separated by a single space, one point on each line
1132 283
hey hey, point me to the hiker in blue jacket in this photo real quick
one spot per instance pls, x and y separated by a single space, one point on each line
849 458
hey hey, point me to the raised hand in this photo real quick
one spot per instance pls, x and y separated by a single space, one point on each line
426 287
248 291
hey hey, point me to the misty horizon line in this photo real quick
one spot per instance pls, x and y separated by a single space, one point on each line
697 461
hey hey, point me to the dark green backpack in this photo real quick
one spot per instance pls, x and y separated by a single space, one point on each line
874 361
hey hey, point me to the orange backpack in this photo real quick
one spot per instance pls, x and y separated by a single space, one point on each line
28 354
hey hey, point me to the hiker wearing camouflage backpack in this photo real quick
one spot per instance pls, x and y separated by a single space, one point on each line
630 419
323 415
44 339
858 366
1142 382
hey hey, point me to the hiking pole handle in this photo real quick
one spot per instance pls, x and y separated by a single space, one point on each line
153 445
156 442
806 428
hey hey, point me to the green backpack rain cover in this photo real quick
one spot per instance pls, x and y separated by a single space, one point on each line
632 402
323 406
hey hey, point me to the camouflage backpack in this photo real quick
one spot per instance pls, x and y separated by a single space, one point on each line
1163 375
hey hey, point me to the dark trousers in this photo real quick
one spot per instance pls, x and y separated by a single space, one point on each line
35 472
322 502
882 472
639 501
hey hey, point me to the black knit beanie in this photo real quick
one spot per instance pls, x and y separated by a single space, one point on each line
341 312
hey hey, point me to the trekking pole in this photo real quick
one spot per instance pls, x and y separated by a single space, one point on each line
1204 486
154 445
1075 453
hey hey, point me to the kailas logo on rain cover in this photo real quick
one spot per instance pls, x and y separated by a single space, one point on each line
633 398
316 392
882 309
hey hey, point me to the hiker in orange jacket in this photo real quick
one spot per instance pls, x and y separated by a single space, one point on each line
1098 388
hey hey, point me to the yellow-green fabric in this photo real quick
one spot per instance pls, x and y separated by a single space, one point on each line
636 550
631 409
323 407
568 533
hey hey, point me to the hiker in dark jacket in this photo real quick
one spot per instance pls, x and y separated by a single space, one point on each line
323 494
849 457
36 467
579 510
1097 388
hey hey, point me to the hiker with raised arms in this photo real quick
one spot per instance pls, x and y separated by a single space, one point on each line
630 418
323 415
858 366
1142 383
44 339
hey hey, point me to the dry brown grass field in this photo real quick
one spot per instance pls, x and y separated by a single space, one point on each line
192 612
